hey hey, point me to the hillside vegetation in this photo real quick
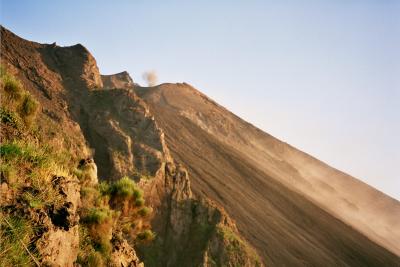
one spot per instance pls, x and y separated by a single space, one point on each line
37 201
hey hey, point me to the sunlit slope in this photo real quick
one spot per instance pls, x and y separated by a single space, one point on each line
294 208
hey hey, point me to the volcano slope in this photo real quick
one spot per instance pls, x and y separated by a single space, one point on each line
295 210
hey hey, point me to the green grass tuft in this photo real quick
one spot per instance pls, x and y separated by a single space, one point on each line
10 118
144 212
97 216
29 108
104 188
21 151
146 235
12 87
14 232
29 105
125 187
139 202
11 150
137 193
32 200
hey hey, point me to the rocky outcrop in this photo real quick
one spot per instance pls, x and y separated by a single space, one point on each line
120 129
62 226
77 65
188 228
58 224
123 255
58 247
118 80
88 172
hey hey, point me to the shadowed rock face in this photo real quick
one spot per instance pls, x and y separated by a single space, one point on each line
293 208
77 64
125 138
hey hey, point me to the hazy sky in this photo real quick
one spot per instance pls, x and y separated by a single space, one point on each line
323 76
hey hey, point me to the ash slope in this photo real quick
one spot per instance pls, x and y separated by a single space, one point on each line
293 208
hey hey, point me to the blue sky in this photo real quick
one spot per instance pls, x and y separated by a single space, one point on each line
323 76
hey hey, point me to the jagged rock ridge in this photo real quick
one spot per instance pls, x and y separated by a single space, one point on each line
118 80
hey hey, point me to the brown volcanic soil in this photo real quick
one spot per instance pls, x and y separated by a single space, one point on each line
273 191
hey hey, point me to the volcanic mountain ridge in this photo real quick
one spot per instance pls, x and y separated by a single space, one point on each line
173 140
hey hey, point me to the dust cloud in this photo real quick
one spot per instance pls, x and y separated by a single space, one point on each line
150 77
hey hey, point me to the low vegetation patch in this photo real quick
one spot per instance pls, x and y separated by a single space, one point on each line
26 163
27 167
17 103
29 164
112 207
29 108
236 248
12 87
10 118
15 237
146 235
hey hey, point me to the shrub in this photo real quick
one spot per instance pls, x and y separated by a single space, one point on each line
97 216
145 211
137 193
9 117
29 105
139 202
104 188
99 222
92 197
125 187
128 227
145 177
29 108
12 87
146 235
122 205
